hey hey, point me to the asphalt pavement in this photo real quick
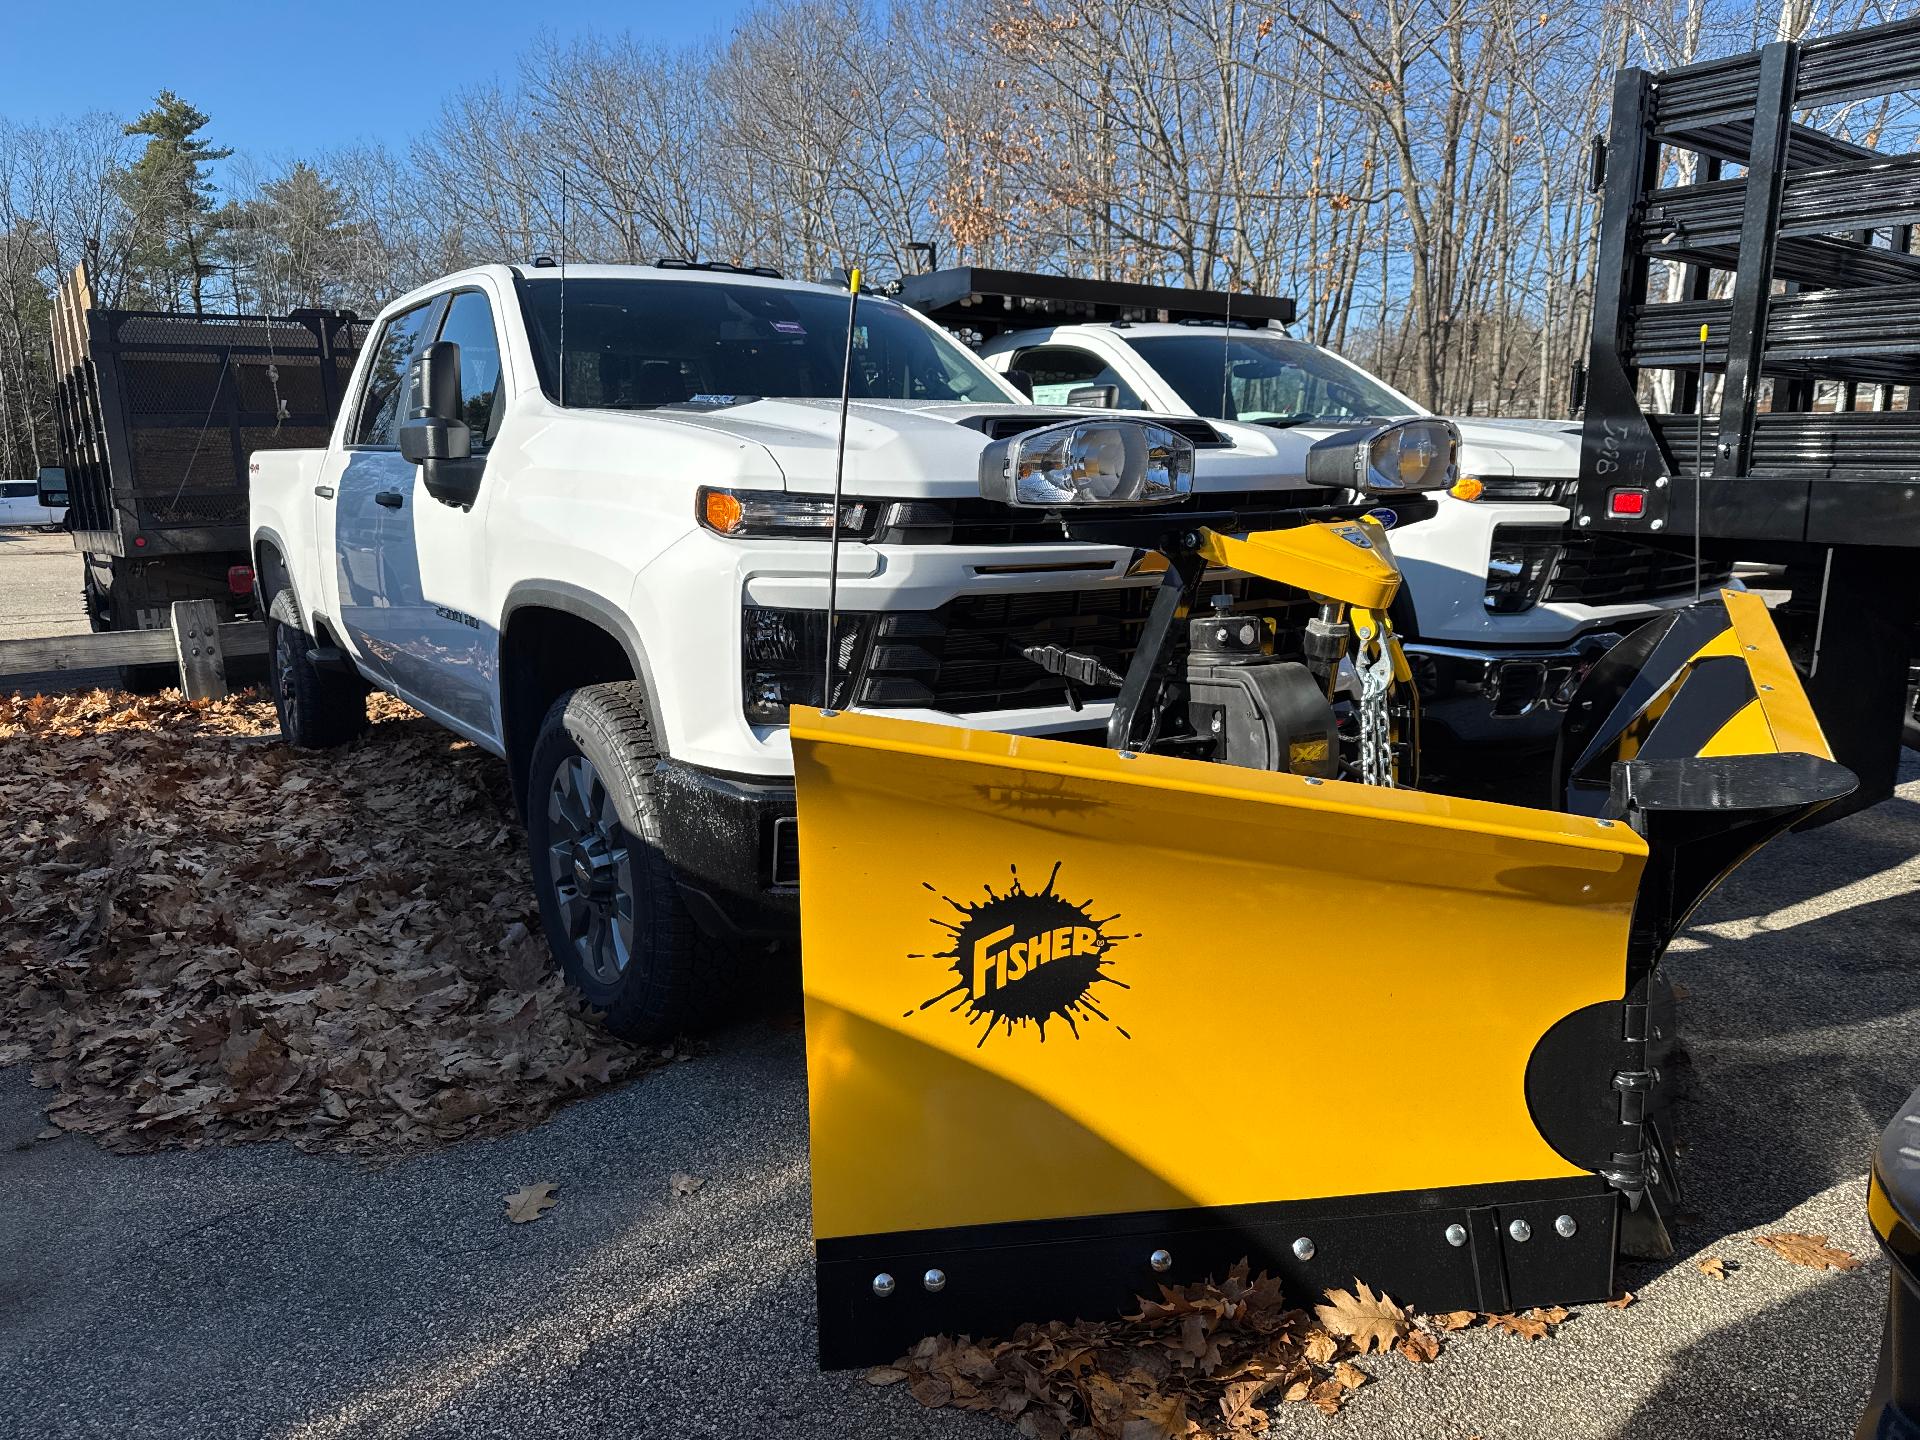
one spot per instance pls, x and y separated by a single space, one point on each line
261 1292
39 596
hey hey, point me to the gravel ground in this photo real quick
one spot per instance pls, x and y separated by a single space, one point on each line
259 1292
40 595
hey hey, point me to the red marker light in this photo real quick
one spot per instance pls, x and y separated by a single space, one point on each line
1627 502
240 579
139 542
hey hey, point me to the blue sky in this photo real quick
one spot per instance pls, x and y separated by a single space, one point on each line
283 78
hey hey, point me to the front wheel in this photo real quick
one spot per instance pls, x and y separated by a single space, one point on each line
613 915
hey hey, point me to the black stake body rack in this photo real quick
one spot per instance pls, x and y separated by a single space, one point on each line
1794 249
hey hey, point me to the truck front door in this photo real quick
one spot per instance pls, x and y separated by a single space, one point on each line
373 484
446 645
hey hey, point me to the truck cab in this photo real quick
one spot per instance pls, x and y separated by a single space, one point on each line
584 518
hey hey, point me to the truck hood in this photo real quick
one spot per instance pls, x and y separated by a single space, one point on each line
906 448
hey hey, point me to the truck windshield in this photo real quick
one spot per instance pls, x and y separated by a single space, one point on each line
1265 379
637 344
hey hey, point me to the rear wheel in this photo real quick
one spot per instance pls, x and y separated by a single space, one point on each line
611 910
318 709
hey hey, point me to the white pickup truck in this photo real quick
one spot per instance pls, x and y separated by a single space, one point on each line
581 518
1511 604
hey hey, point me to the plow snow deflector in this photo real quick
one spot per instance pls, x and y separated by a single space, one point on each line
1083 1021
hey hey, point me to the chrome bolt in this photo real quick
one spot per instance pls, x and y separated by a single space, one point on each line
1127 755
1653 1174
1520 1230
1456 1235
1661 483
1658 525
1585 520
1303 1248
1604 824
828 714
935 1281
1221 635
883 1285
1189 539
1565 1226
1315 780
1217 725
1160 1260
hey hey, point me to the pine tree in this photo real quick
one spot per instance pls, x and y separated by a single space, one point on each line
169 189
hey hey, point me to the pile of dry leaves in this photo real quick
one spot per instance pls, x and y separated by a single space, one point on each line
1211 1359
207 936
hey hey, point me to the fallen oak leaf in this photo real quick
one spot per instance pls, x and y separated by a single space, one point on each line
1713 1267
1456 1319
1620 1301
1370 1321
1349 1375
885 1375
532 1202
1810 1251
1522 1327
1419 1347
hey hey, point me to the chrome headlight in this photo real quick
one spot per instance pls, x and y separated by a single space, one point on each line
1087 462
1394 459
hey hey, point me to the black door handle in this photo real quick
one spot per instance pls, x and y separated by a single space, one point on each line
325 492
389 498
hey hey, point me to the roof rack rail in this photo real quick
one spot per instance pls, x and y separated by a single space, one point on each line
995 301
679 262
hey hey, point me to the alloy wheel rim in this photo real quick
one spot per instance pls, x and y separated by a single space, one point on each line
590 861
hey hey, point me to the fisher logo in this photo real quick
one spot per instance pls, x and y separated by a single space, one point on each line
1023 958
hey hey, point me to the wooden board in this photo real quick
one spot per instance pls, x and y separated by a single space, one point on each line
122 647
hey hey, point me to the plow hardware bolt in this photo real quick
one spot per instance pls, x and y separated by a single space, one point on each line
935 1281
1160 1260
1456 1235
1566 1225
883 1285
1303 1249
1520 1230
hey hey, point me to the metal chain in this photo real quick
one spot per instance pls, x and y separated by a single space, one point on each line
1376 724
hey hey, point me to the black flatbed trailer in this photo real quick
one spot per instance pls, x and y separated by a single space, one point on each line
1795 250
157 414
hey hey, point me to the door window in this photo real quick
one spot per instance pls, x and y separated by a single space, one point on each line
469 325
387 375
1058 370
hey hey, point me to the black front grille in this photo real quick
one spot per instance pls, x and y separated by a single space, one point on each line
968 655
1557 489
974 521
1602 570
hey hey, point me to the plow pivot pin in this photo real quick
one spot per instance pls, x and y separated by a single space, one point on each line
1456 1235
1303 1249
935 1281
1520 1230
1160 1260
883 1285
1566 1225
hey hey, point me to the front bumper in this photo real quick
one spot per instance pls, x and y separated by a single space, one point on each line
1501 694
734 849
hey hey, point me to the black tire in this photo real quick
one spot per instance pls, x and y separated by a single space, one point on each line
612 913
318 709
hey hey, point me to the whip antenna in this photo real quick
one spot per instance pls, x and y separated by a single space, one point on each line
1699 460
563 289
839 477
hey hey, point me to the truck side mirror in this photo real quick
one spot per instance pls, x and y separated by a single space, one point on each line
1020 380
51 488
1095 397
434 436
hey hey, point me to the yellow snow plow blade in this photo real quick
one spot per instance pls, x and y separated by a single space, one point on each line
1082 1021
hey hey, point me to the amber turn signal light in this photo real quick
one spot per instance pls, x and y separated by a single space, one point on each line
1466 488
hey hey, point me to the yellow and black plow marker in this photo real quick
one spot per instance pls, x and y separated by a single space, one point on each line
1083 1019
